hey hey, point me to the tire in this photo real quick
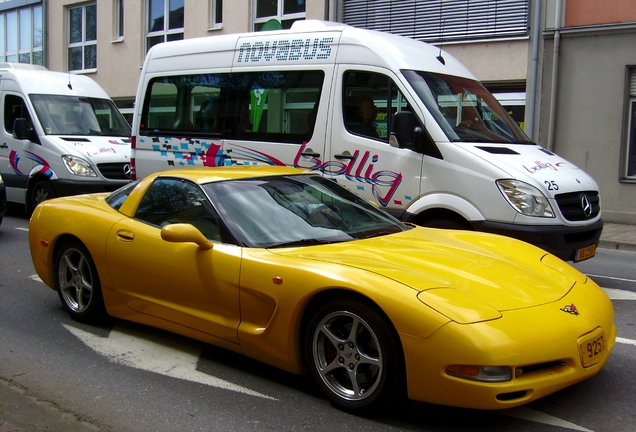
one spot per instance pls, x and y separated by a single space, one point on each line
41 191
78 283
446 224
354 355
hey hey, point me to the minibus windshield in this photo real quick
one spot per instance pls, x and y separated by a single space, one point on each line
464 109
75 115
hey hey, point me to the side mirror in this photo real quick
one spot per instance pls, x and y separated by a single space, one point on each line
22 131
21 128
185 233
403 129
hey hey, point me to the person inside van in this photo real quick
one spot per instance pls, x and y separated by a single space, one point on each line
363 120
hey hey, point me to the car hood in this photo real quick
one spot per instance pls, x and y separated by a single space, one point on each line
457 269
523 161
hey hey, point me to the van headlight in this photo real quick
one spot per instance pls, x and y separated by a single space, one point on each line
525 198
78 166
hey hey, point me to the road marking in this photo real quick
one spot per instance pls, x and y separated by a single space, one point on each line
525 413
626 341
612 278
131 345
617 294
22 229
35 278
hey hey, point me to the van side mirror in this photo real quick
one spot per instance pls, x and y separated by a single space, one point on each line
403 130
22 131
20 128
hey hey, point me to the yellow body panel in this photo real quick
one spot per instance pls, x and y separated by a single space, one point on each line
454 297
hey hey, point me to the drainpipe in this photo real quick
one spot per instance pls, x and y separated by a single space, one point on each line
555 71
531 90
326 10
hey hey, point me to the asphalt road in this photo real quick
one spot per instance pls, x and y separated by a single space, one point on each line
57 374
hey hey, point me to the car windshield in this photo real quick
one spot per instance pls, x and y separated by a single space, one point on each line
464 109
300 210
74 115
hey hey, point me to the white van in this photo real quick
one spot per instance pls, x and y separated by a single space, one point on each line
60 135
437 150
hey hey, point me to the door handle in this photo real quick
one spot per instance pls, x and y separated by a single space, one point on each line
310 154
125 235
344 156
4 145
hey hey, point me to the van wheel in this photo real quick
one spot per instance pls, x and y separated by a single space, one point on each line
41 191
446 224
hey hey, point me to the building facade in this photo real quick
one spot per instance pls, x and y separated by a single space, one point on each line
586 93
508 44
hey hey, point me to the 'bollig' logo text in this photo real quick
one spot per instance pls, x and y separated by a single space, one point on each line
284 50
359 168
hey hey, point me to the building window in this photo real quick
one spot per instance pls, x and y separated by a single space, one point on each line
216 21
21 35
165 21
630 166
119 19
82 47
285 11
441 20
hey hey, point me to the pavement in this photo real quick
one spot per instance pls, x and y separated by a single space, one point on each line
22 412
618 236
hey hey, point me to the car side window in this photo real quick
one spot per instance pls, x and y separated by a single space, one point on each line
170 201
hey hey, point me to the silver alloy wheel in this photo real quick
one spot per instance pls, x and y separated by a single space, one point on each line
347 355
75 280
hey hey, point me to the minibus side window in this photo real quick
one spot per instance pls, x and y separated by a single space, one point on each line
268 106
370 101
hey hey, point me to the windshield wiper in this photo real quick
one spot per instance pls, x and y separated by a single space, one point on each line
303 242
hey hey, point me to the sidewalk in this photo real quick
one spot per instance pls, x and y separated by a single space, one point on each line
618 236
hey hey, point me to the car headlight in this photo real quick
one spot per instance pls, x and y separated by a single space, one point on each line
78 166
525 198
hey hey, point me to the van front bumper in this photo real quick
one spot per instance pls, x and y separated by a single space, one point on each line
559 240
70 187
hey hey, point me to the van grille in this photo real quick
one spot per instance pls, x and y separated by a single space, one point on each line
572 205
115 171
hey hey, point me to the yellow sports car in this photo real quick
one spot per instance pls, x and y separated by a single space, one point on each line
291 269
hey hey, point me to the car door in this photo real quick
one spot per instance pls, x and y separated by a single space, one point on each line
364 156
177 282
17 157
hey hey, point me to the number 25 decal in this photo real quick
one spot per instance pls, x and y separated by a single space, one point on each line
552 185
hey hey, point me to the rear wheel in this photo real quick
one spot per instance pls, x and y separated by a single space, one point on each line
353 354
41 191
78 283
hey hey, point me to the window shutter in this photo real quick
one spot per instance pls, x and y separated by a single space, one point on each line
440 20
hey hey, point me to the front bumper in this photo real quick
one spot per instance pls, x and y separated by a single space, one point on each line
72 187
560 240
543 341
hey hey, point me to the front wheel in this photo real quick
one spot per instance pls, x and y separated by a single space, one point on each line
41 191
78 283
354 355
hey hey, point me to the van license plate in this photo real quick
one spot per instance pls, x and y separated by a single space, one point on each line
585 253
592 349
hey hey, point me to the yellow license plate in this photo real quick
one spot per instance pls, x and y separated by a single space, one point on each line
585 253
592 348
